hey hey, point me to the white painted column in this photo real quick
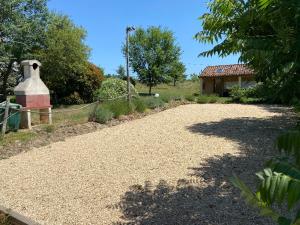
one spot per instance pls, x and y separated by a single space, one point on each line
240 82
50 116
201 86
46 116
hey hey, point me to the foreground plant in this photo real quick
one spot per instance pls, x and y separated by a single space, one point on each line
279 182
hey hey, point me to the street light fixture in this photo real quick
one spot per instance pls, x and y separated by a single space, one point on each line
128 30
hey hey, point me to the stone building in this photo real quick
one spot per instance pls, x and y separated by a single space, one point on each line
220 79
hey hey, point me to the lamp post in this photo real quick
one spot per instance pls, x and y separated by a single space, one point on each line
128 30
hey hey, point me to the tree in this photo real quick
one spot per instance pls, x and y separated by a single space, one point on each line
65 56
22 33
176 72
121 72
89 82
194 77
266 34
152 52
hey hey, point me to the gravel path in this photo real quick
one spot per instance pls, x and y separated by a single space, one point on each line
167 168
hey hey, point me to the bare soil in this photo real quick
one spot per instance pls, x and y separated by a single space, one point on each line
167 168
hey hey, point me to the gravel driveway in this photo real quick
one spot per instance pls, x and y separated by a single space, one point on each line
168 168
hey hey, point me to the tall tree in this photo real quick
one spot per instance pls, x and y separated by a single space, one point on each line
152 52
22 32
65 56
265 32
121 72
176 72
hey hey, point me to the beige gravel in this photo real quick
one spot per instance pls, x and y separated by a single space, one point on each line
183 154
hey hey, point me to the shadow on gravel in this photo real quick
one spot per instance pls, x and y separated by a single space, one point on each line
207 197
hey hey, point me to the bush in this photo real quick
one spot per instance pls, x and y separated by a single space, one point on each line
73 99
202 99
237 94
178 98
249 95
153 103
119 107
166 98
190 98
113 88
89 82
102 115
213 99
139 105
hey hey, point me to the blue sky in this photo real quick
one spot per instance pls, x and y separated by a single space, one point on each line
105 22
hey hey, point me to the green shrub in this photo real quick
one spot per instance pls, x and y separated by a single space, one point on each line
166 98
237 94
178 98
103 115
139 105
119 107
247 96
213 99
113 88
190 98
73 99
202 99
153 103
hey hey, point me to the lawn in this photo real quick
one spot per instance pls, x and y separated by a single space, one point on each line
22 136
182 89
73 114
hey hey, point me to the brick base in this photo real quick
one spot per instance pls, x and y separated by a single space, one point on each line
34 101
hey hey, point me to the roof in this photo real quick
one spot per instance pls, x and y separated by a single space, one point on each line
227 70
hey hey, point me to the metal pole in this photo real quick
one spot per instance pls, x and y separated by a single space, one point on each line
4 125
127 64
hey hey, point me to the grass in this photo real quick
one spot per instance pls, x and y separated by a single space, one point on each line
187 90
48 128
59 116
13 137
168 91
67 115
153 103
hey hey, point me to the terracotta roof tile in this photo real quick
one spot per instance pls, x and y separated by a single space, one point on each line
226 70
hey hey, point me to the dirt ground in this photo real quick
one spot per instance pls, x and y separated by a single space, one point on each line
168 168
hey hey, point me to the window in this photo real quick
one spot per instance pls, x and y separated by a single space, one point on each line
220 70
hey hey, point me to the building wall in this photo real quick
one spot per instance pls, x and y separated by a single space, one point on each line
208 86
219 85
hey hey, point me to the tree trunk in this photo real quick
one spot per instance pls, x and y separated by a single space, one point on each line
5 81
174 82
